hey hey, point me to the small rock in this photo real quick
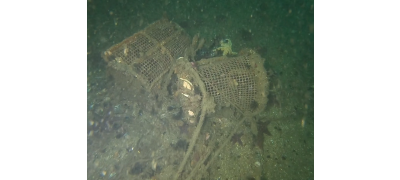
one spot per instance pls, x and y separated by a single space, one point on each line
103 173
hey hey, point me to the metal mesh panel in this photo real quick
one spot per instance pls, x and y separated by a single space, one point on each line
238 81
150 53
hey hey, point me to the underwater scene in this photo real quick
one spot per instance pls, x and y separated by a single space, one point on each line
220 90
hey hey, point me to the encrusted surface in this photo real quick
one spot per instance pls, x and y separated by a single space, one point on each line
150 53
240 81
